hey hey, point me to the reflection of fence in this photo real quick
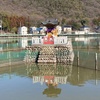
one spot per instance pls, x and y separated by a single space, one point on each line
87 59
81 76
86 43
8 58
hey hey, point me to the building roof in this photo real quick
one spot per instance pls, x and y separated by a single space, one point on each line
85 27
67 26
98 29
50 21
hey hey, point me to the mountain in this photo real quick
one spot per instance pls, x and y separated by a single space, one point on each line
61 9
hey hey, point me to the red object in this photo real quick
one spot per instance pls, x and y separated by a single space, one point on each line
49 77
48 40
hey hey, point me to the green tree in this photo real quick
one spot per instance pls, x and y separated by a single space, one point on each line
14 30
63 21
96 22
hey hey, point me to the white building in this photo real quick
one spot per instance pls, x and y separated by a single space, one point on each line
23 30
67 29
24 42
59 28
43 30
98 29
38 30
0 23
33 30
86 29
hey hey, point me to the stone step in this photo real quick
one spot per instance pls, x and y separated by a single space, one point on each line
47 61
47 53
46 57
43 56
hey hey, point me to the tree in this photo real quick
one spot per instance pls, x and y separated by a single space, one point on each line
96 21
83 22
63 21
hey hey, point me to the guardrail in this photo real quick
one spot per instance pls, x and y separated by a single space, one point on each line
32 35
56 40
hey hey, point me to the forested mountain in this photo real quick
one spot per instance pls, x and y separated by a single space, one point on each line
63 10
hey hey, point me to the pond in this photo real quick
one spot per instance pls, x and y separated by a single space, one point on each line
30 81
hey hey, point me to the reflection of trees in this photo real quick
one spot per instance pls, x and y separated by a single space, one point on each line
52 91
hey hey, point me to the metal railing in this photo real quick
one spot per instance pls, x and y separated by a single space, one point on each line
57 40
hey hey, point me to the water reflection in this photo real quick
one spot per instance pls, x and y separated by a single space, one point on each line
80 76
52 91
56 80
12 43
86 42
54 74
51 75
86 50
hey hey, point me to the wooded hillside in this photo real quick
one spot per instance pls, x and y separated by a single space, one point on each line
63 10
58 8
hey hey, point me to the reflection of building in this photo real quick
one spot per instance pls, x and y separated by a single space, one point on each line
10 58
50 73
86 40
24 42
50 79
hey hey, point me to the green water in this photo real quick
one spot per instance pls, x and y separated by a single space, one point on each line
29 81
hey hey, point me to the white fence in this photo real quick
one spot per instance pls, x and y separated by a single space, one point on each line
57 40
37 41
